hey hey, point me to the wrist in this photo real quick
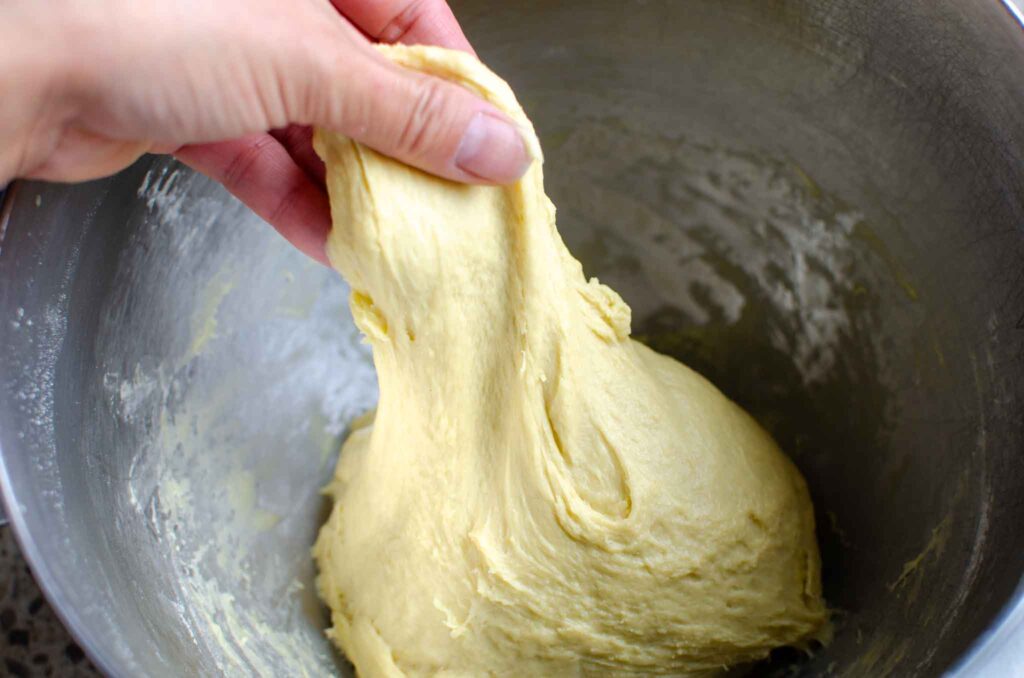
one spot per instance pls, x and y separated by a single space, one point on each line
35 70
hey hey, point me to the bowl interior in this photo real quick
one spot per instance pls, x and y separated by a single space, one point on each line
812 206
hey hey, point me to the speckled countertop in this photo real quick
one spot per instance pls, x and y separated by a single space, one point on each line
33 642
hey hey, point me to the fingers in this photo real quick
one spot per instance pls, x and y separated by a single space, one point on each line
423 121
413 22
81 155
259 171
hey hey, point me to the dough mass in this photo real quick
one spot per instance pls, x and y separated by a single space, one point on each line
538 494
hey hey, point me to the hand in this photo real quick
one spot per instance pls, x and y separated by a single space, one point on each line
231 87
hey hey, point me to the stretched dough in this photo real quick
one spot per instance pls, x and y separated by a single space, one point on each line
538 494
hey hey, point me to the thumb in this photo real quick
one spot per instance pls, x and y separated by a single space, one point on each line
427 122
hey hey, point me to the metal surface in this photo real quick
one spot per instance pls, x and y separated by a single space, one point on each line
818 205
3 194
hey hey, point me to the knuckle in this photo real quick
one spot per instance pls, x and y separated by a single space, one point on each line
427 114
314 99
287 204
402 23
333 98
245 162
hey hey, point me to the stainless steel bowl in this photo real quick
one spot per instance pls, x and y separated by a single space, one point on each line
818 205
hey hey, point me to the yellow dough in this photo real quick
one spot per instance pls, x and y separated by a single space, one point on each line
538 494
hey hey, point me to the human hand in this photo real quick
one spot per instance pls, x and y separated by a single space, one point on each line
232 88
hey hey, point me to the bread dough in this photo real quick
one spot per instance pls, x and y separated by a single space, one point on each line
538 495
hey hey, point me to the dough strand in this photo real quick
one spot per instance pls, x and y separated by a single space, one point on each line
538 494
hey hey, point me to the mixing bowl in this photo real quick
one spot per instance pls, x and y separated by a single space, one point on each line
820 206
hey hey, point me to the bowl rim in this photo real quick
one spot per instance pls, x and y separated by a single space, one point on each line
49 583
1000 647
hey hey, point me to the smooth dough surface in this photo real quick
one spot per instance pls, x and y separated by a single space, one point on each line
538 494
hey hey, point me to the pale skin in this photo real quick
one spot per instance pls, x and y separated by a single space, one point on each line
232 88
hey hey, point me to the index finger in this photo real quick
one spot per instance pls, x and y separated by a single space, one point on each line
413 22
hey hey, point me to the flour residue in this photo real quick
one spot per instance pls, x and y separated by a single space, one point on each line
235 396
714 225
162 192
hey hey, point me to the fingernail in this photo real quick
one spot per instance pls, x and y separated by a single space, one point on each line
492 149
